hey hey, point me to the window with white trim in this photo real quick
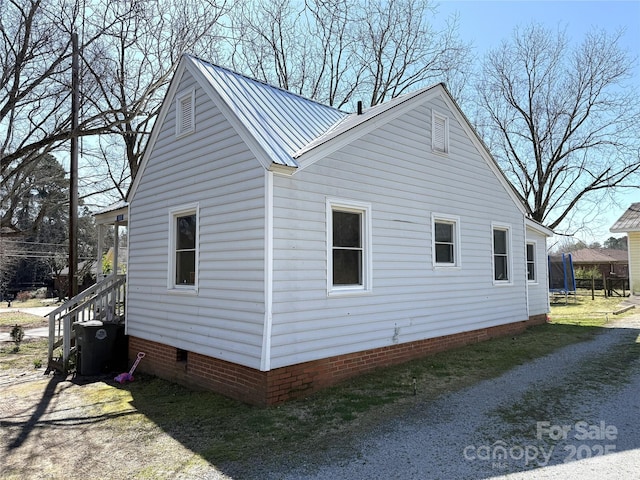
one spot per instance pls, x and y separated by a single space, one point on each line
185 113
446 241
531 262
439 132
183 248
349 239
501 254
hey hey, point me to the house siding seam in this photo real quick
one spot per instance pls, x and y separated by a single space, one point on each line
297 381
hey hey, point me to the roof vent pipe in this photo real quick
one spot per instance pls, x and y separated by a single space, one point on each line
359 107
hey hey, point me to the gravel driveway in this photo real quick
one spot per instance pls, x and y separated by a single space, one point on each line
576 413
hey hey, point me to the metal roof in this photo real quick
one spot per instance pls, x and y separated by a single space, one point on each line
629 221
599 255
281 122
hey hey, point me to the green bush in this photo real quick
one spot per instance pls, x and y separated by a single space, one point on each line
17 334
588 273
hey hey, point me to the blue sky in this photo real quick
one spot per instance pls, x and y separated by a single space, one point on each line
487 23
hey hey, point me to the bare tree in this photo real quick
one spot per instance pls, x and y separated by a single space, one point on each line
400 49
128 69
35 78
35 62
129 51
334 51
562 121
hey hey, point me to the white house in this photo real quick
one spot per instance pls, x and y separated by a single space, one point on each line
277 245
629 223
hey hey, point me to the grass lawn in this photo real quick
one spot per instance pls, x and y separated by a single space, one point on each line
582 310
25 320
218 430
32 302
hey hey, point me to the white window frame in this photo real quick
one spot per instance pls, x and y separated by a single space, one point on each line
455 221
174 213
438 118
181 98
509 254
364 209
534 244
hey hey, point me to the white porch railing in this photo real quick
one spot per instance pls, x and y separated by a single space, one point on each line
103 301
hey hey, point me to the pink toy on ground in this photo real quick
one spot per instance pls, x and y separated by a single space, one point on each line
128 376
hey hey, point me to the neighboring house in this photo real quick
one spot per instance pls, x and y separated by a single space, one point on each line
86 278
609 262
277 245
629 223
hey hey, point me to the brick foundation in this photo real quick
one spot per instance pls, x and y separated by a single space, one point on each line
296 381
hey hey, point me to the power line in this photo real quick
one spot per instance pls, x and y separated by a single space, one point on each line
5 242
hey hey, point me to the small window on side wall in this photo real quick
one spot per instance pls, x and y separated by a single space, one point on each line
531 262
501 254
439 133
446 241
185 113
183 249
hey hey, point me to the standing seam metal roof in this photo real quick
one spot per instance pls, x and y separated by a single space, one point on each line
281 122
629 221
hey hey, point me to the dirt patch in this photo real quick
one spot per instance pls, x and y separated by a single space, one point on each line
57 427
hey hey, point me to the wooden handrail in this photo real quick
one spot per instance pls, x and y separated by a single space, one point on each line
105 296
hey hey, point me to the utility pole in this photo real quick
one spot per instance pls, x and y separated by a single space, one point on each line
73 173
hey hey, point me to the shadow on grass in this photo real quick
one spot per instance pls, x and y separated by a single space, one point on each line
46 405
241 440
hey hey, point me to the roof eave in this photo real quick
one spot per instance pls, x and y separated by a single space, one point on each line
282 169
624 229
539 227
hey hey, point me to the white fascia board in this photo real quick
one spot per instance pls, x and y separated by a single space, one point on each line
532 224
624 230
282 169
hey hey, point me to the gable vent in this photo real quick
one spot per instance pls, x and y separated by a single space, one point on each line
185 122
440 134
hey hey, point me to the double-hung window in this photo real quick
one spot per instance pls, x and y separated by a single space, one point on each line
446 241
501 254
531 262
183 249
349 240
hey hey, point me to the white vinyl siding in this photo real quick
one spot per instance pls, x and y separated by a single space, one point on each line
394 170
634 261
214 169
538 291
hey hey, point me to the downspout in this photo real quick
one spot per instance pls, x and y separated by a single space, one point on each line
265 360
